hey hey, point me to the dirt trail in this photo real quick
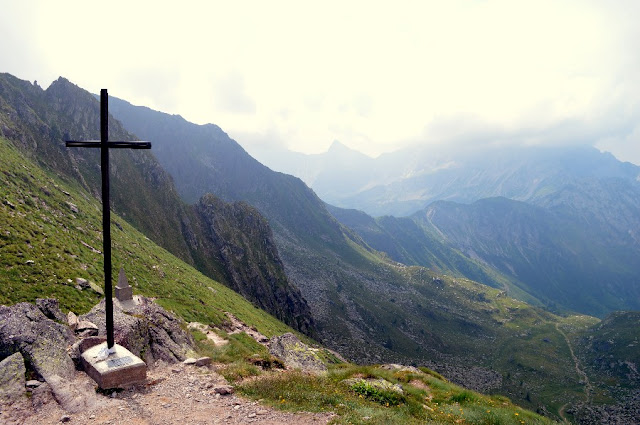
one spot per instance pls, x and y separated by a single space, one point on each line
588 387
175 394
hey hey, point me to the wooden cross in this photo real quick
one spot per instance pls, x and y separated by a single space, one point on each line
104 144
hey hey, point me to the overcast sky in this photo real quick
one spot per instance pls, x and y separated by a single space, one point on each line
374 75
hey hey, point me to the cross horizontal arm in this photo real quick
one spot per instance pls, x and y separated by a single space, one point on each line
110 145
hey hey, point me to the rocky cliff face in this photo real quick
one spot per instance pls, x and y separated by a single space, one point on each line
241 239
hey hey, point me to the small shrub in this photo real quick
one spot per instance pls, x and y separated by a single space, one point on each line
464 397
238 371
265 362
373 392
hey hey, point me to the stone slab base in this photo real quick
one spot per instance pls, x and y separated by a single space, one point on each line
119 369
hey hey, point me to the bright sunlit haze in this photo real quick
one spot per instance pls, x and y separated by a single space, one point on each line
374 75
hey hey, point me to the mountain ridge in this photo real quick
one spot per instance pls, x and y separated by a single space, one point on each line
380 310
403 182
142 192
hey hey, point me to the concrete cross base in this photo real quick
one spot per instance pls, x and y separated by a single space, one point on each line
119 369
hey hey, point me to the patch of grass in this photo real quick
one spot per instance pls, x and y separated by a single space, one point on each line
433 373
426 399
241 347
239 370
464 397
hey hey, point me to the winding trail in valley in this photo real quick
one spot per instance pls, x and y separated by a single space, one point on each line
588 387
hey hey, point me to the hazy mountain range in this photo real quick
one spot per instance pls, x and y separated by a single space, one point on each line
403 182
353 281
562 224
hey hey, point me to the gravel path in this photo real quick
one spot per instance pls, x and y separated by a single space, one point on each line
175 394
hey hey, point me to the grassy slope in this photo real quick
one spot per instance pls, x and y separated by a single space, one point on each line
39 225
51 234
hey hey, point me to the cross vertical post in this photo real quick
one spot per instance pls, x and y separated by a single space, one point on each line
104 144
106 213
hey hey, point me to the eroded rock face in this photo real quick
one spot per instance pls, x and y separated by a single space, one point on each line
295 354
51 309
42 342
146 329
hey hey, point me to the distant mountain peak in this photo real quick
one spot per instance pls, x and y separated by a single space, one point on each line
337 147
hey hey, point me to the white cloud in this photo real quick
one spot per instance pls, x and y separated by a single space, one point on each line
230 95
373 75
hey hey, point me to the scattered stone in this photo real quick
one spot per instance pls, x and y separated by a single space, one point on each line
96 288
41 396
224 390
29 262
400 368
65 418
235 326
82 283
86 329
73 207
203 361
72 320
32 383
190 361
72 396
154 382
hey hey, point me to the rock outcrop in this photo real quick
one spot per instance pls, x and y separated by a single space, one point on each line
51 309
36 339
295 354
12 383
146 329
41 341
